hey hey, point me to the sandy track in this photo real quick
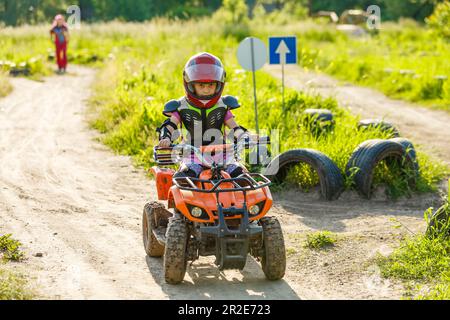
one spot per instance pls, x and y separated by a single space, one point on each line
68 197
426 127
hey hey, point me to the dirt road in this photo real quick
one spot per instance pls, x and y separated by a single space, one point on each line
427 128
77 209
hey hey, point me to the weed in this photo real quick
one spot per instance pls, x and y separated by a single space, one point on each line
10 248
13 286
320 239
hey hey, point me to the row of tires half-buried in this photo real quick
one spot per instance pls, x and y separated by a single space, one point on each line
360 167
322 121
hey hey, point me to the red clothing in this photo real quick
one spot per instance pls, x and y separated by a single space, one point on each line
61 55
61 46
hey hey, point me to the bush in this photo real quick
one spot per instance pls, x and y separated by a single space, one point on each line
291 11
439 21
188 12
232 12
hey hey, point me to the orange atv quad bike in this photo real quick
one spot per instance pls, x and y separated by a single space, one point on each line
213 215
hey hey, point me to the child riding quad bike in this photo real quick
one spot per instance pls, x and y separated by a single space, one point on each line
218 208
211 215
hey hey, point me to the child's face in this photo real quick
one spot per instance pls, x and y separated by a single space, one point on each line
204 89
60 22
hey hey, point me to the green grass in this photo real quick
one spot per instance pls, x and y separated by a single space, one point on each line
5 86
138 75
302 176
320 239
423 260
418 258
290 252
10 248
31 48
132 88
403 60
13 285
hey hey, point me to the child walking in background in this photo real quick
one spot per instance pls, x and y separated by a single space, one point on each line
59 33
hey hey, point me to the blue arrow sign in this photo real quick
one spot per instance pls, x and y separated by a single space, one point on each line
283 50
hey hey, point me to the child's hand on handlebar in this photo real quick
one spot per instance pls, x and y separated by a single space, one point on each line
164 143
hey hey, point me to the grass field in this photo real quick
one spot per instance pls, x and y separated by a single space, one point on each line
141 67
133 87
13 285
423 261
404 60
5 86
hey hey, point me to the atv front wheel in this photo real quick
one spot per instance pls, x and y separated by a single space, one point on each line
152 247
273 260
175 255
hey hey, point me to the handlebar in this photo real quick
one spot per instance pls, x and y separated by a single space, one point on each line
192 150
182 149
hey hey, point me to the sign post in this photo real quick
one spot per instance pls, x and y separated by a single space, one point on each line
283 50
252 55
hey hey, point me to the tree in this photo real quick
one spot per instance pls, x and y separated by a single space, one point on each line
87 9
416 9
237 10
440 19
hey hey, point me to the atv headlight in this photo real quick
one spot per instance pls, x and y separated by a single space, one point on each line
254 210
196 212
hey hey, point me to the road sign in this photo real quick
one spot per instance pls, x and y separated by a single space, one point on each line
252 55
282 50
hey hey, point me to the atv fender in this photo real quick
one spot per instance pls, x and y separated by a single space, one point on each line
163 177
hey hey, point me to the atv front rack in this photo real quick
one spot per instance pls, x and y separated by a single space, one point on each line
189 184
227 237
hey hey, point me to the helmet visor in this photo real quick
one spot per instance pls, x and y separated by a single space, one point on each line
204 73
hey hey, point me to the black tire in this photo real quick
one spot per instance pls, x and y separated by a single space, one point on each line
381 124
319 114
319 120
330 177
367 156
175 255
273 260
152 247
409 148
439 222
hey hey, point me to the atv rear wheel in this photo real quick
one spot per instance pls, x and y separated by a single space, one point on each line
152 247
175 254
273 260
